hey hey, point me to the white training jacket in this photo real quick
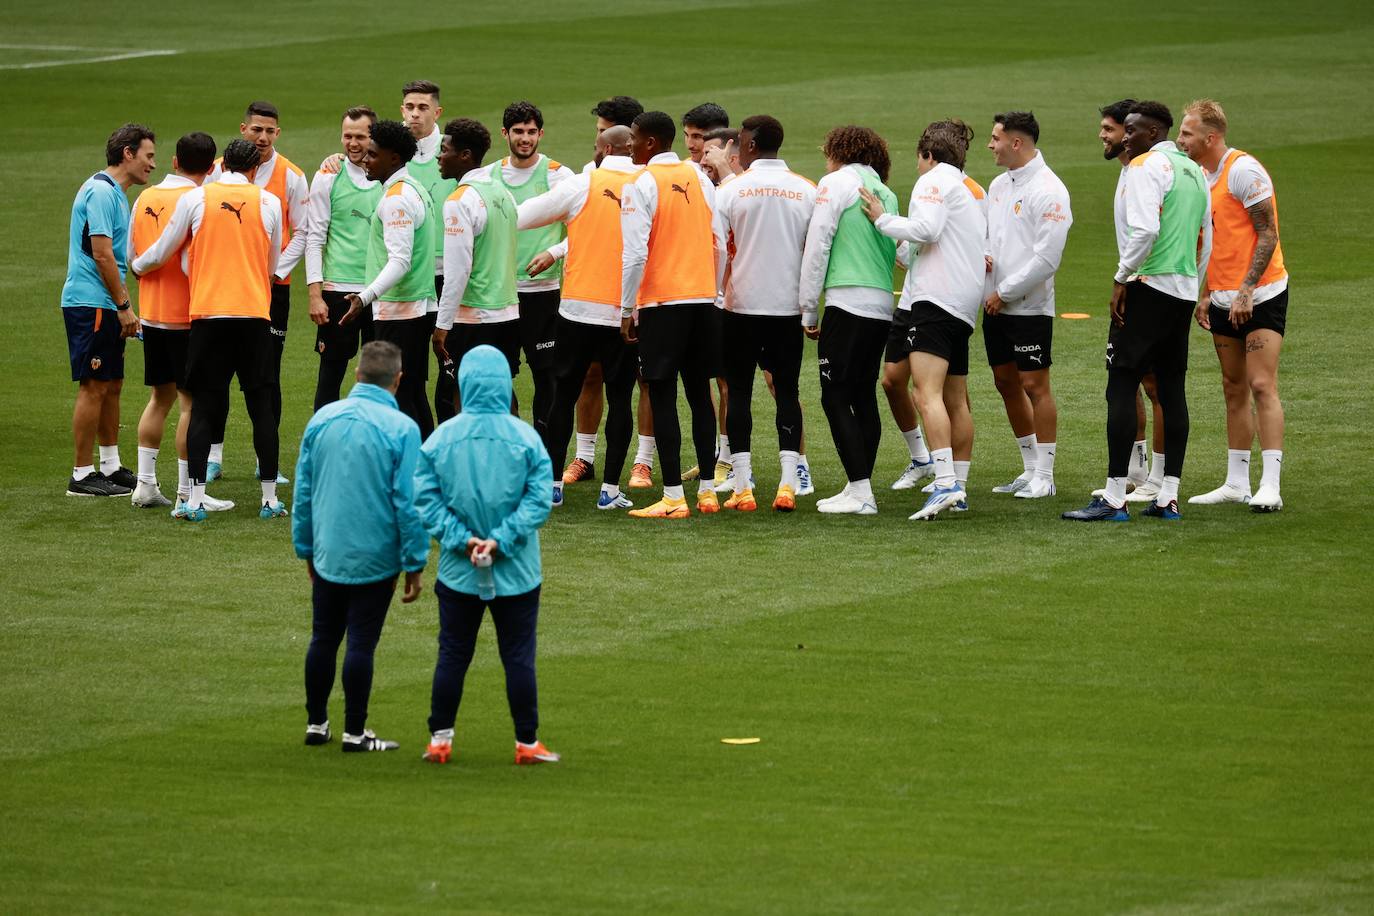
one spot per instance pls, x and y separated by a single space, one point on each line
1028 224
637 208
1146 187
297 194
401 214
947 221
560 204
186 220
465 218
321 214
835 193
764 214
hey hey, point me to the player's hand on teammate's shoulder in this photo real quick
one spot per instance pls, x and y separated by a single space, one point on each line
873 207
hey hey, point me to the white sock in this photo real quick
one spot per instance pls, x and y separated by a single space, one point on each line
1044 460
705 485
1140 461
645 455
217 452
269 491
944 467
790 461
1115 492
442 736
1273 465
83 472
862 490
961 471
183 478
558 485
1168 491
610 489
1238 468
744 470
109 459
586 447
1027 446
723 450
197 495
801 461
674 492
916 444
1156 468
147 465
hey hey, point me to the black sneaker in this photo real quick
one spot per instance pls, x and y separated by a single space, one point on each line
367 741
317 734
123 478
96 484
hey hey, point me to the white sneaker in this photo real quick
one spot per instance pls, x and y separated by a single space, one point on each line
1266 500
1222 494
210 504
148 496
846 504
1145 493
1037 488
1016 485
915 472
830 499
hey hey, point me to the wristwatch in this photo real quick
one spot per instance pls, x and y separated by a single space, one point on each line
123 306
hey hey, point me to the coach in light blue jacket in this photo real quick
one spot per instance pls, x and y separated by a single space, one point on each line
484 486
356 527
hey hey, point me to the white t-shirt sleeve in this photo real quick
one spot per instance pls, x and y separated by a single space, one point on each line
833 195
1052 221
639 201
465 217
398 235
1145 188
319 213
926 214
1248 182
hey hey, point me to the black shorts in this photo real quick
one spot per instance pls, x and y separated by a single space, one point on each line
280 310
580 344
94 345
1271 315
682 338
1021 339
336 341
412 335
503 335
221 348
1154 336
539 328
771 342
899 337
935 331
850 348
164 356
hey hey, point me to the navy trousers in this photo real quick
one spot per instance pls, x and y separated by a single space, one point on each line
357 611
460 617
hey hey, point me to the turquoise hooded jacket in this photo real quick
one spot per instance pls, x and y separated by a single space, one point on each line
353 512
485 474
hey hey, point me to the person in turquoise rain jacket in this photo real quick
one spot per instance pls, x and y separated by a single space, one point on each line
356 527
483 488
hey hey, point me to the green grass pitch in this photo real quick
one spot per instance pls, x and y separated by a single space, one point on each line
998 712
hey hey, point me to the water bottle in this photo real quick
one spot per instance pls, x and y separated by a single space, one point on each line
486 582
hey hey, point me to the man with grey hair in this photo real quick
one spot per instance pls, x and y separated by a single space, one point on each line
356 527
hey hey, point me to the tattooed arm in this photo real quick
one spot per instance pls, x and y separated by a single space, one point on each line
1262 218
